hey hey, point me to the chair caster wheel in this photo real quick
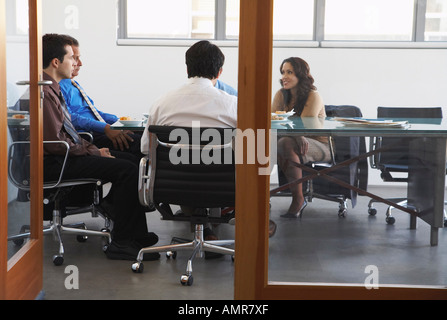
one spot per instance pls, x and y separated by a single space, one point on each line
372 211
81 238
58 260
342 213
172 254
138 267
390 220
18 242
186 280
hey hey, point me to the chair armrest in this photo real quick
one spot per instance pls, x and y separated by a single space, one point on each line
142 181
146 183
374 143
24 185
331 149
87 136
63 165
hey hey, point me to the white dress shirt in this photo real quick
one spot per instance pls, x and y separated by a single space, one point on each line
196 100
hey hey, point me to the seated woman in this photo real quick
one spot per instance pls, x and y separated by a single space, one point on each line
299 94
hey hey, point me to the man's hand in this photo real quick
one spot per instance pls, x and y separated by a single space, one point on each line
105 152
119 138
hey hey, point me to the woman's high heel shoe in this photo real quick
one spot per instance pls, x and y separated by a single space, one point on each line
295 215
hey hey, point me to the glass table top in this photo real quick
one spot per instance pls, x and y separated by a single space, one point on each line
433 127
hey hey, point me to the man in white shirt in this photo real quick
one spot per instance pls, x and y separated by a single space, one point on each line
197 99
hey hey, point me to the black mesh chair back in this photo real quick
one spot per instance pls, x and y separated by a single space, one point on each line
198 171
396 158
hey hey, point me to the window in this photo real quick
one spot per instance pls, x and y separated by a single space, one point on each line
232 19
295 21
365 20
436 20
180 19
17 21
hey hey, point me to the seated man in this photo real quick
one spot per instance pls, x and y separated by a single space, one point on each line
85 160
197 100
86 117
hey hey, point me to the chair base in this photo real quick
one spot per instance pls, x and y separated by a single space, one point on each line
389 217
400 202
198 246
57 229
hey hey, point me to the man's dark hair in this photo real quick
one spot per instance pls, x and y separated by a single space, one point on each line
74 42
53 46
204 59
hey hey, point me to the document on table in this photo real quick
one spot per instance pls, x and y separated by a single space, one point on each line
358 122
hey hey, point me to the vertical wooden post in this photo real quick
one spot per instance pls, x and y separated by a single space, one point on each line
252 194
3 155
36 119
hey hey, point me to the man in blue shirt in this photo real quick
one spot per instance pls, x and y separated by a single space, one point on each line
86 117
225 87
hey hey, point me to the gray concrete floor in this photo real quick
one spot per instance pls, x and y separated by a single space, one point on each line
319 247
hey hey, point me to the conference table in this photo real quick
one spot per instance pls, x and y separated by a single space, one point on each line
427 167
426 186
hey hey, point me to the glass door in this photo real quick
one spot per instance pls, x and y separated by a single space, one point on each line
252 247
21 150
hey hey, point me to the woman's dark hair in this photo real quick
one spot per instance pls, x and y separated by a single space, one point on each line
53 46
204 59
305 83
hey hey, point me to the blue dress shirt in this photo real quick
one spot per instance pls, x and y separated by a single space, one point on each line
81 116
225 87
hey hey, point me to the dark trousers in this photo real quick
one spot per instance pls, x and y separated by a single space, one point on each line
102 141
128 215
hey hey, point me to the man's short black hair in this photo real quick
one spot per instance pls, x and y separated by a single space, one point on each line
53 46
74 41
204 59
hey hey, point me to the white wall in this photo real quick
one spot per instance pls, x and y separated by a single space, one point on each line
125 80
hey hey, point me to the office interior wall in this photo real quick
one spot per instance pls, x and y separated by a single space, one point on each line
126 80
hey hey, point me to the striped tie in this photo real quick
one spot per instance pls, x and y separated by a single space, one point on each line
67 121
92 107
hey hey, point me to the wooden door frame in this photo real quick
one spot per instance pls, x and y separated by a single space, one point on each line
22 275
252 191
3 156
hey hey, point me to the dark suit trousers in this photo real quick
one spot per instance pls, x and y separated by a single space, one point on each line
128 215
102 141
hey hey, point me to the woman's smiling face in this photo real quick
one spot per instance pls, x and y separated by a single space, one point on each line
289 79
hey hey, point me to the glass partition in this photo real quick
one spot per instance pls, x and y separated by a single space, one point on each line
341 236
17 60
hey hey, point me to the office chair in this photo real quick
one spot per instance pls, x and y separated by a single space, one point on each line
393 164
57 202
342 148
203 177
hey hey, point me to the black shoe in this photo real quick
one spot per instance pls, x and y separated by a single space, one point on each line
127 250
148 240
209 235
